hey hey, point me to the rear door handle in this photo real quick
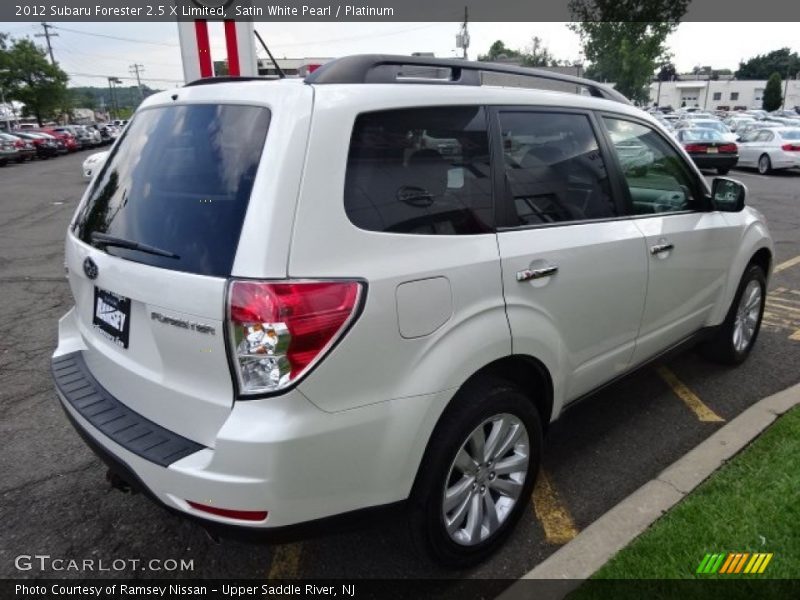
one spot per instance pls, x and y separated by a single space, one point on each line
659 248
528 274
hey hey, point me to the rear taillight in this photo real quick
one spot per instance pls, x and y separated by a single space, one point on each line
728 148
695 147
279 331
19 144
791 147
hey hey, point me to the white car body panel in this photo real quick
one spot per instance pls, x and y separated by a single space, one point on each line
437 310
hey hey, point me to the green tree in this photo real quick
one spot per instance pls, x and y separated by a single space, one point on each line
32 80
773 98
535 54
499 50
781 61
625 40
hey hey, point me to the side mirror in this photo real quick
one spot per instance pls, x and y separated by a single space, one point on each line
728 195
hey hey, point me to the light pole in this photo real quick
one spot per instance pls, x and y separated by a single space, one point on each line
111 82
786 86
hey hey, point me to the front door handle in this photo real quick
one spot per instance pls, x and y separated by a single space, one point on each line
659 248
528 274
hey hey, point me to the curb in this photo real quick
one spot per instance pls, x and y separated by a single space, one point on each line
600 541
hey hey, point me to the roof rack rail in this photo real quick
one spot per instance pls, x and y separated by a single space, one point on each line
385 68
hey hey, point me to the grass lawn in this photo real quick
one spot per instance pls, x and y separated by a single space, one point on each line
752 504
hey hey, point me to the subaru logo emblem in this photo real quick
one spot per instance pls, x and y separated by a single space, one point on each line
90 268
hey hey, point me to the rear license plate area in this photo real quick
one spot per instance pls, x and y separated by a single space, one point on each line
112 316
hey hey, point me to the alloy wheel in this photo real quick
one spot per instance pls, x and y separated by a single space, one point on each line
485 479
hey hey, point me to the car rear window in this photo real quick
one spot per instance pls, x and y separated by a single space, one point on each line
179 181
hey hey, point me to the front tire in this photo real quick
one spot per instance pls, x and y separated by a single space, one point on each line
737 334
724 171
477 475
764 164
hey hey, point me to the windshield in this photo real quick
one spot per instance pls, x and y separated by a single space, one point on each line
790 134
179 180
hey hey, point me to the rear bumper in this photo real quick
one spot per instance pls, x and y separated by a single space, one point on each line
715 161
785 160
281 454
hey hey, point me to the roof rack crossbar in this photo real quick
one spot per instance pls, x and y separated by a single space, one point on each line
384 68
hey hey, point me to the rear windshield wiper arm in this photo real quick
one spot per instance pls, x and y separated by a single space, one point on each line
110 240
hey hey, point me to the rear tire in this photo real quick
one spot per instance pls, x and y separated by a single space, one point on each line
738 333
764 164
481 503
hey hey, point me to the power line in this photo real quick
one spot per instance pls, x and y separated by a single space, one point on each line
99 76
47 35
69 49
114 37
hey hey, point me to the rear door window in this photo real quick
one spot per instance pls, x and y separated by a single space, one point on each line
554 170
179 181
420 171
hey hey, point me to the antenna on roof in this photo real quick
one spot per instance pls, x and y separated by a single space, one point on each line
281 74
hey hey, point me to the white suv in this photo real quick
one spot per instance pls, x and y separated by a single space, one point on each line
375 287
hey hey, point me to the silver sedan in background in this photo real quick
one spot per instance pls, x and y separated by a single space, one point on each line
770 149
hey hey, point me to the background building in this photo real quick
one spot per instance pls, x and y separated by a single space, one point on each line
722 94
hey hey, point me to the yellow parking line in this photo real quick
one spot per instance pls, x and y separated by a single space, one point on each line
689 398
285 562
786 264
775 305
552 514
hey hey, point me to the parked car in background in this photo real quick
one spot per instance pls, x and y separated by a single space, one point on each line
756 113
791 114
714 124
735 122
97 139
46 146
786 121
8 151
709 149
756 125
26 149
93 163
770 149
70 132
697 115
66 141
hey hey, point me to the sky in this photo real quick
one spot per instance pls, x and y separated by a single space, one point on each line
91 52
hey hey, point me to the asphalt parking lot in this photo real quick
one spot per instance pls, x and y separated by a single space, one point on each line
55 500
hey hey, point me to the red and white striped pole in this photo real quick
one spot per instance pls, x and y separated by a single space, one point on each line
195 44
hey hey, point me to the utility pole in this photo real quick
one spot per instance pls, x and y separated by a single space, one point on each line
135 70
462 37
47 35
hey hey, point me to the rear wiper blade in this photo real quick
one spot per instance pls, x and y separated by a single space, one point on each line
109 240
